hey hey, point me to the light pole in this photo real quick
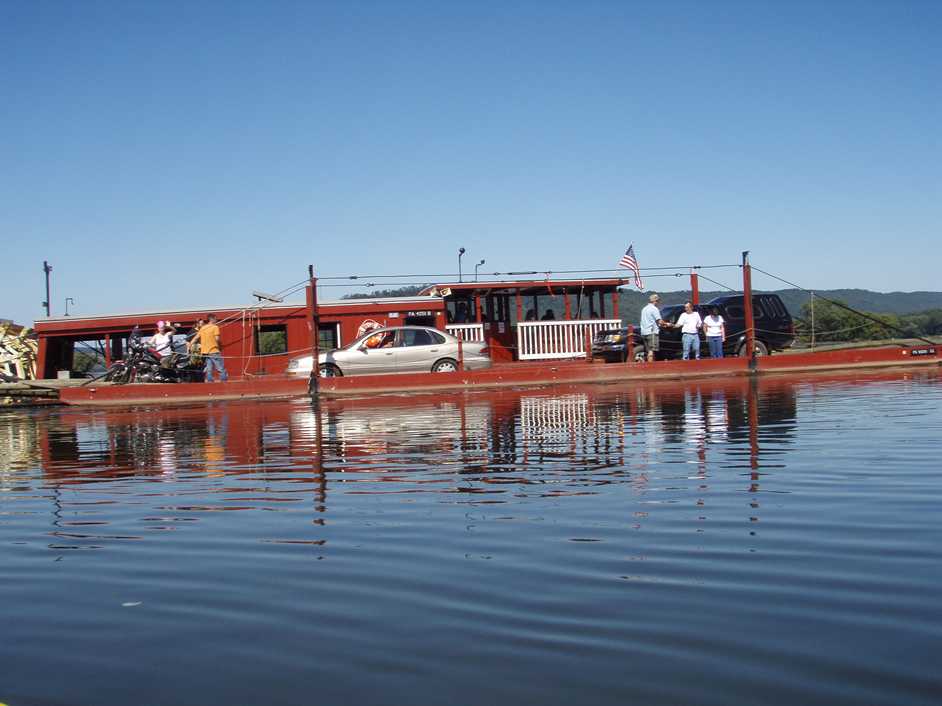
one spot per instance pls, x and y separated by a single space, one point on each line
460 253
476 269
47 268
68 300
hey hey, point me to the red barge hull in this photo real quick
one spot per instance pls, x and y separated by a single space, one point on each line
505 375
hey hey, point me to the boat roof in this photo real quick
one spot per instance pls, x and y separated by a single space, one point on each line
263 306
524 286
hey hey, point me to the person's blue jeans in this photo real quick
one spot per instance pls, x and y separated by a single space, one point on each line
214 360
691 342
716 346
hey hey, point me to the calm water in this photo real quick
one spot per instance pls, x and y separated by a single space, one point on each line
777 543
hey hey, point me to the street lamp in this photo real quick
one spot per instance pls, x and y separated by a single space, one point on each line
68 300
460 253
476 269
47 268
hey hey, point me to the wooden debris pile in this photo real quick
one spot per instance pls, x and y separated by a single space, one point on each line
17 351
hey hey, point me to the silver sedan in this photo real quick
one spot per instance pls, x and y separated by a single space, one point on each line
404 349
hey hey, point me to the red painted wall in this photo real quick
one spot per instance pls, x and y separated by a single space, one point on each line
237 330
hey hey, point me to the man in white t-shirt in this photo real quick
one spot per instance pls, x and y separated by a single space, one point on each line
690 323
715 328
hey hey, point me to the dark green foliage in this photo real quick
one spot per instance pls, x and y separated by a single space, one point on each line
832 323
409 291
84 361
835 324
271 342
923 323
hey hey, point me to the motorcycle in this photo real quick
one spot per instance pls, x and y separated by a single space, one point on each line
144 364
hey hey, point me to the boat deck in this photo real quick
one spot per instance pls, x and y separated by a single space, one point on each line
518 374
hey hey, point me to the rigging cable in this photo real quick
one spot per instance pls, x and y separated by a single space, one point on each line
905 334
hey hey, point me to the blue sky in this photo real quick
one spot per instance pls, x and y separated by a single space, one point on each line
166 154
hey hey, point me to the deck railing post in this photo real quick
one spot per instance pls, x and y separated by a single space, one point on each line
460 354
630 345
588 343
694 288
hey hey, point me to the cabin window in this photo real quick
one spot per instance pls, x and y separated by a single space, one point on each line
88 357
427 320
328 337
272 340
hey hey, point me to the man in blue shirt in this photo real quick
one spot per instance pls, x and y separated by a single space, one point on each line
651 323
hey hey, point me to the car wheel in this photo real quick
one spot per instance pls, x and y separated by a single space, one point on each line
641 353
759 347
329 371
445 365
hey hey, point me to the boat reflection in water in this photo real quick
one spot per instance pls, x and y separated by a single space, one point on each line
600 433
488 448
494 443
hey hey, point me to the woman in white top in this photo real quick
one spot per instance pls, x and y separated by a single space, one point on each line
715 327
690 323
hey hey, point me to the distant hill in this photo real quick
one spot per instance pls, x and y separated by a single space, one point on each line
631 301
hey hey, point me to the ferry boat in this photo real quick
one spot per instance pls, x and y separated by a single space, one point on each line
527 347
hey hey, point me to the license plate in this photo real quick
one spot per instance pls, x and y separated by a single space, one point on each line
922 351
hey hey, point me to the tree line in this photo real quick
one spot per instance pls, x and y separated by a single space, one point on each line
832 323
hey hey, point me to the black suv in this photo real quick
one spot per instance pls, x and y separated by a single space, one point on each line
775 330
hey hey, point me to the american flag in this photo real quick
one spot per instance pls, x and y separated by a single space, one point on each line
629 262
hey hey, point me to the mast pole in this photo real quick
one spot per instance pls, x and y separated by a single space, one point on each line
314 319
747 307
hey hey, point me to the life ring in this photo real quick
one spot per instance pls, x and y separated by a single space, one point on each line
367 326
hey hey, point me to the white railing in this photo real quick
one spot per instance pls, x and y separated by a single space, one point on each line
538 340
466 332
